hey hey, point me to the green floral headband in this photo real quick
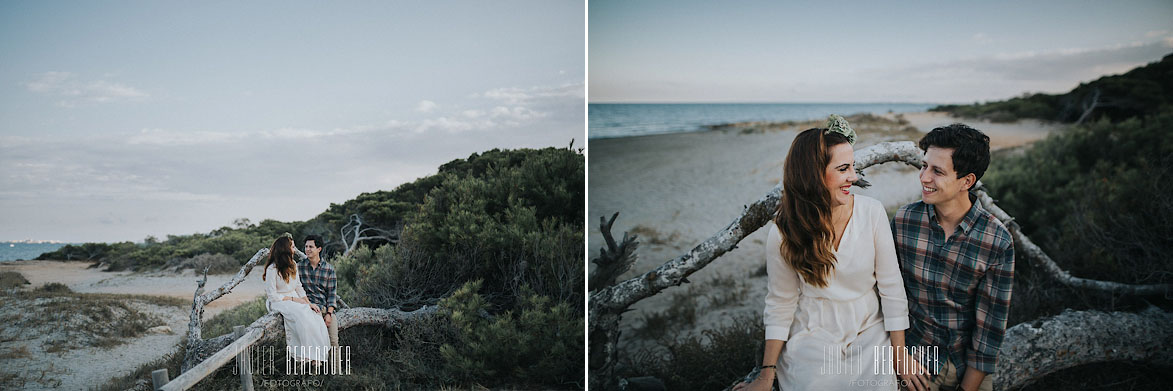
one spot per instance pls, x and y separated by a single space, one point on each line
288 235
837 124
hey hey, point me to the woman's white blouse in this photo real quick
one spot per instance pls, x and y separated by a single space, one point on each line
865 263
277 289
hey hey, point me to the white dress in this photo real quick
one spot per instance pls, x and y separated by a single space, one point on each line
305 331
837 336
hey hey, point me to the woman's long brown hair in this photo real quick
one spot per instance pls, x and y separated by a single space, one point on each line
804 213
282 254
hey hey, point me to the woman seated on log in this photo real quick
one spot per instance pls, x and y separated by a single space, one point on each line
306 337
834 290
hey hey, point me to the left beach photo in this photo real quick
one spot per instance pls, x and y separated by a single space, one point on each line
292 195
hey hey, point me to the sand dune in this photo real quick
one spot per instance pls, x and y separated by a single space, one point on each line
90 366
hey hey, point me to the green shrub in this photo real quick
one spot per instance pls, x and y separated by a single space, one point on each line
9 280
710 361
540 342
1097 198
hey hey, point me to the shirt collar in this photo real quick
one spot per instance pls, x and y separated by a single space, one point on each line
967 221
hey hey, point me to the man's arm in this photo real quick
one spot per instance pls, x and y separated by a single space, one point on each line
990 314
331 290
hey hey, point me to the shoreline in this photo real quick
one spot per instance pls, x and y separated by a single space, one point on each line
920 119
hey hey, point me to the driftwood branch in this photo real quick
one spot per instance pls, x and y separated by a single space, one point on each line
195 341
608 304
1036 349
357 234
269 327
615 259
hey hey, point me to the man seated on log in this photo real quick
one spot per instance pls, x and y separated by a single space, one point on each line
957 262
320 283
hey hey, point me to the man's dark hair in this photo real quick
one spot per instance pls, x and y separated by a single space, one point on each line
317 240
971 147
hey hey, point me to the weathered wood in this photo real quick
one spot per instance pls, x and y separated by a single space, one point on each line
271 327
1031 351
159 378
614 259
243 362
192 376
1035 349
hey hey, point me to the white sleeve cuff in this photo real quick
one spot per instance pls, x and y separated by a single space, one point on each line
777 332
896 324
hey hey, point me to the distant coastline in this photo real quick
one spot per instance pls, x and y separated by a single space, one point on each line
27 249
617 120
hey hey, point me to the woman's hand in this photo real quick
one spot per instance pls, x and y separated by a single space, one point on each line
762 383
315 308
912 374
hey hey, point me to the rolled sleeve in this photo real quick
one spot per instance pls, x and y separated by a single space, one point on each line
782 289
991 311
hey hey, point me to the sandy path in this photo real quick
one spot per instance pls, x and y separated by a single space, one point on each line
679 189
91 367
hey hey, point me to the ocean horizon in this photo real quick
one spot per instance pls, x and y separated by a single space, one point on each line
614 120
18 250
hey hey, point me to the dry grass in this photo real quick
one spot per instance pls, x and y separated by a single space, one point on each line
10 280
76 320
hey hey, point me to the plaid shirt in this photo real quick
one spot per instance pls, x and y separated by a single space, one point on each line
959 287
319 283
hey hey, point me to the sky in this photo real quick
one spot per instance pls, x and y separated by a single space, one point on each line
864 51
120 120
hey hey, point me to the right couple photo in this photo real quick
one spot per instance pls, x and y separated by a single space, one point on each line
865 196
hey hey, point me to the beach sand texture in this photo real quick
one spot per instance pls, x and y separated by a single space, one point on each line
676 190
90 367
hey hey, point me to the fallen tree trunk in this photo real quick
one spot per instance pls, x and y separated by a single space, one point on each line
1031 351
270 325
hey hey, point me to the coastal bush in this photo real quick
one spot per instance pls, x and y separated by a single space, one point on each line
709 361
1097 198
538 343
215 263
511 219
1137 93
10 280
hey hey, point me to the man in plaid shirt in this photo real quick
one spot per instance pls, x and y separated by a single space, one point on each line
320 283
957 262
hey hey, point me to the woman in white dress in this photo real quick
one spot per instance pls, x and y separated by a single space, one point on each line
834 289
306 337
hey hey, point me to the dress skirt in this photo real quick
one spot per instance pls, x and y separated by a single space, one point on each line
305 331
837 345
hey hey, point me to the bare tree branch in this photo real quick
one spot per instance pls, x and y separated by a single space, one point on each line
615 259
354 230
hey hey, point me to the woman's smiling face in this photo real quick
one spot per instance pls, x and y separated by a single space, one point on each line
840 174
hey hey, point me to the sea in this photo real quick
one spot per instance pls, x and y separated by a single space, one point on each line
612 120
11 251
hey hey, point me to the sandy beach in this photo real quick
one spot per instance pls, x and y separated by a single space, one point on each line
676 190
89 367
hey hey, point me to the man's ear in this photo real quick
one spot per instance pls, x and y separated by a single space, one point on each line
968 181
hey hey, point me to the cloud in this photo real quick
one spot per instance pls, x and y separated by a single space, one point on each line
425 106
73 91
1003 75
516 95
